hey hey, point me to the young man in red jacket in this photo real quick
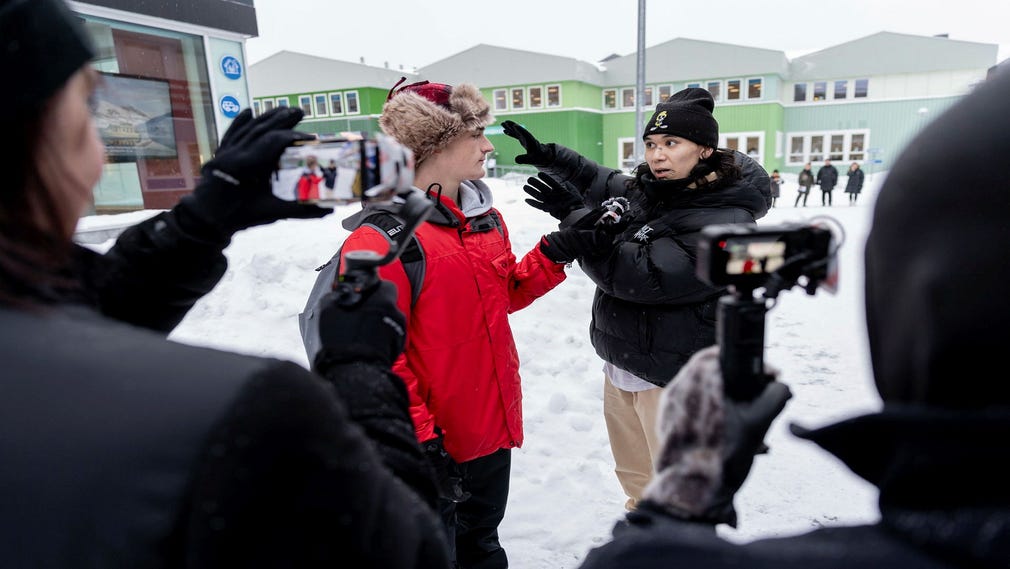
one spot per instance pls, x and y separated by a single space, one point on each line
460 363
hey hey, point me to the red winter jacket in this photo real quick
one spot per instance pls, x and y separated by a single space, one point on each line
460 362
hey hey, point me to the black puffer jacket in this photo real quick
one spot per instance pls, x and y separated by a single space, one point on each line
650 311
124 449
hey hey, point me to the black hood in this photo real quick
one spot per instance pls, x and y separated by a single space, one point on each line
938 260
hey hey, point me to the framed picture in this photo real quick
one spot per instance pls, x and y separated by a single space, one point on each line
134 117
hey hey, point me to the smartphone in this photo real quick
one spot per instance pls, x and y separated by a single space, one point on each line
327 171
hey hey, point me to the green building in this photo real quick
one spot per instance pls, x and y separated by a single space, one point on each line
859 101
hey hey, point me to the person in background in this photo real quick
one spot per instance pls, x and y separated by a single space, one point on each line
124 449
308 183
330 178
827 178
776 189
935 299
460 364
854 184
806 181
650 311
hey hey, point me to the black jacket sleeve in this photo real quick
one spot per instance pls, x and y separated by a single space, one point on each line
595 182
291 479
155 272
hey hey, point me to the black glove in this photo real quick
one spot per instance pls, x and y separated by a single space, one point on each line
450 482
372 330
552 196
708 441
235 190
566 245
537 154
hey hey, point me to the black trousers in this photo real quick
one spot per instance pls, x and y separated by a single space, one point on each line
826 196
474 522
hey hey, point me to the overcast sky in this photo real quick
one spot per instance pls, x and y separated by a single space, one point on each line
413 34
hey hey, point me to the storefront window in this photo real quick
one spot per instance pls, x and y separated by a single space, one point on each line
154 113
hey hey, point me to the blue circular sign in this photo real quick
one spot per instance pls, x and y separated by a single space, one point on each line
231 67
230 106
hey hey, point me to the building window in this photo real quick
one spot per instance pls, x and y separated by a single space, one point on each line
305 102
648 97
256 108
800 92
816 148
715 87
518 98
843 146
321 105
841 89
664 92
754 87
692 86
856 147
820 90
351 98
536 97
336 103
837 147
554 95
500 102
796 153
628 97
609 98
268 105
862 88
283 102
733 90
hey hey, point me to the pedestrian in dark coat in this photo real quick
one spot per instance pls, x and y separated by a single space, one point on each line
124 449
935 304
854 184
650 311
806 181
827 178
776 186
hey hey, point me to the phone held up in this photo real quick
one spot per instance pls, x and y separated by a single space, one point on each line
329 171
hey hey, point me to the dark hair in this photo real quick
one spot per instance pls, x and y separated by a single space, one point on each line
33 253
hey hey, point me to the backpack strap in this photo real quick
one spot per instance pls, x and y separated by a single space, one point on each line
412 259
412 256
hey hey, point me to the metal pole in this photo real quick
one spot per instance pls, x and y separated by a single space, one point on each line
640 86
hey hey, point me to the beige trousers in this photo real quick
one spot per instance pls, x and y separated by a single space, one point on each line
631 426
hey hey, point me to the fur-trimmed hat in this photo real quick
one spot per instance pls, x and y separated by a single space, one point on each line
42 43
426 116
687 114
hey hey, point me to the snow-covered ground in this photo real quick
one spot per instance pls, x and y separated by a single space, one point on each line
565 496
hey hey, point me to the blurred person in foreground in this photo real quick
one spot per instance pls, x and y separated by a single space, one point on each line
124 449
936 275
651 313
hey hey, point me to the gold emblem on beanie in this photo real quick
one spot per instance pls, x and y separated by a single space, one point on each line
660 117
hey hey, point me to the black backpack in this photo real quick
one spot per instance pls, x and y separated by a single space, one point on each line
412 258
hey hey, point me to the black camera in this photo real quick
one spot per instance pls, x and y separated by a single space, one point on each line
749 256
773 258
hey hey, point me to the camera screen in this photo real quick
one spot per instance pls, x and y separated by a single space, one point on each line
750 256
326 172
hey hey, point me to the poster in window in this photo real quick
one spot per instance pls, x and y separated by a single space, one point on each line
134 117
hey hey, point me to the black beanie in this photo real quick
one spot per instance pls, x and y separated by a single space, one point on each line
687 114
42 43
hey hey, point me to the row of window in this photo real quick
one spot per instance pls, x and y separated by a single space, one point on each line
521 98
837 146
317 105
722 90
838 90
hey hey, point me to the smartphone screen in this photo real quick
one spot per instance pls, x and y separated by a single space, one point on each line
327 172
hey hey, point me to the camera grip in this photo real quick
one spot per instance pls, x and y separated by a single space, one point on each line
740 333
